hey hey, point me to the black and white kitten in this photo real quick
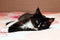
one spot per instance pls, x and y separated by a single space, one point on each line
30 22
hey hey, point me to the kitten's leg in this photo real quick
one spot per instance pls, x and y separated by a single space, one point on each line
14 29
29 29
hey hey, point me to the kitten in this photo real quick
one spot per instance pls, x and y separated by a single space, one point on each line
30 22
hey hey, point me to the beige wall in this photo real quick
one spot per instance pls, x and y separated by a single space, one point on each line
30 5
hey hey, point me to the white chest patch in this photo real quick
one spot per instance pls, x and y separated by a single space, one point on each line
28 25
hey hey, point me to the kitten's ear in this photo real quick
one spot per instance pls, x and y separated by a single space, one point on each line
38 11
51 19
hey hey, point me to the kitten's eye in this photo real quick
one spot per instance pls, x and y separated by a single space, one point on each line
36 21
43 25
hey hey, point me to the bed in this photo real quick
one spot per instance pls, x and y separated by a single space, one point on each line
49 34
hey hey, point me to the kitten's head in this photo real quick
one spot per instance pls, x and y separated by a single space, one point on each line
40 18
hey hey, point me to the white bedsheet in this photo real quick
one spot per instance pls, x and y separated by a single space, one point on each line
50 34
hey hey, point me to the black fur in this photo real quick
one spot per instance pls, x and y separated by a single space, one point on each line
38 20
